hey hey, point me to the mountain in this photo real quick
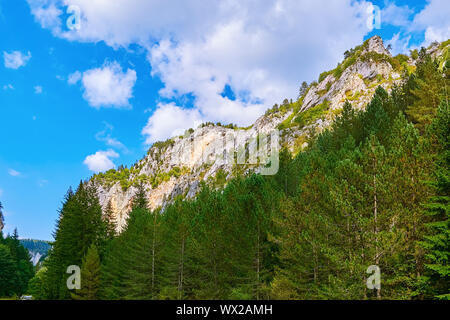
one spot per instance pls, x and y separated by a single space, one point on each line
38 249
177 166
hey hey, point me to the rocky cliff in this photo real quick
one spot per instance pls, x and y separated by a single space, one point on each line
214 153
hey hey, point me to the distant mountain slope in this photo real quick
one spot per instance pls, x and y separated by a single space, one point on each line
38 249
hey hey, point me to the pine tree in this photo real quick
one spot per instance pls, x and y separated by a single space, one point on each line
437 239
90 276
23 267
303 89
37 287
79 226
132 266
177 226
110 221
427 89
8 276
140 198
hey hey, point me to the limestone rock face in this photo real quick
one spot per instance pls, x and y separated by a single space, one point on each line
199 155
203 153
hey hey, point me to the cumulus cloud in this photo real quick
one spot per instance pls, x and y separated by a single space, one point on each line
100 161
108 86
434 20
46 13
399 44
396 15
13 173
15 59
170 120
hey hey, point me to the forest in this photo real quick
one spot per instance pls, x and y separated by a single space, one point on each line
16 269
371 190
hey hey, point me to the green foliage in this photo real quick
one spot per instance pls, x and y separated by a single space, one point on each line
129 177
111 176
36 286
295 109
323 75
15 266
437 238
160 177
36 246
80 225
310 115
426 88
303 90
7 274
354 198
162 145
219 180
90 276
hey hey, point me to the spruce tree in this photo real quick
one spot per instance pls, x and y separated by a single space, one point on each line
79 226
427 90
437 238
23 266
8 275
110 221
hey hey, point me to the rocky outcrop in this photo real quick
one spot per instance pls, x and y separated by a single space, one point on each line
210 152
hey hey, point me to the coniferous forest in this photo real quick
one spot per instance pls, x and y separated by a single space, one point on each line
371 190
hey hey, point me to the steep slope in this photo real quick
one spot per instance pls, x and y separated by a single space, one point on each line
176 167
38 249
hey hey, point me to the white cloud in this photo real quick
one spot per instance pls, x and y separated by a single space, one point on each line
15 59
170 120
106 136
8 87
109 86
74 77
399 44
46 13
38 89
13 173
262 50
434 20
100 161
396 15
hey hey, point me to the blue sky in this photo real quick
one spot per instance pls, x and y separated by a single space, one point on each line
74 101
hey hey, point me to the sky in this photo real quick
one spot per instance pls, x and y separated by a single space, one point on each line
87 85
